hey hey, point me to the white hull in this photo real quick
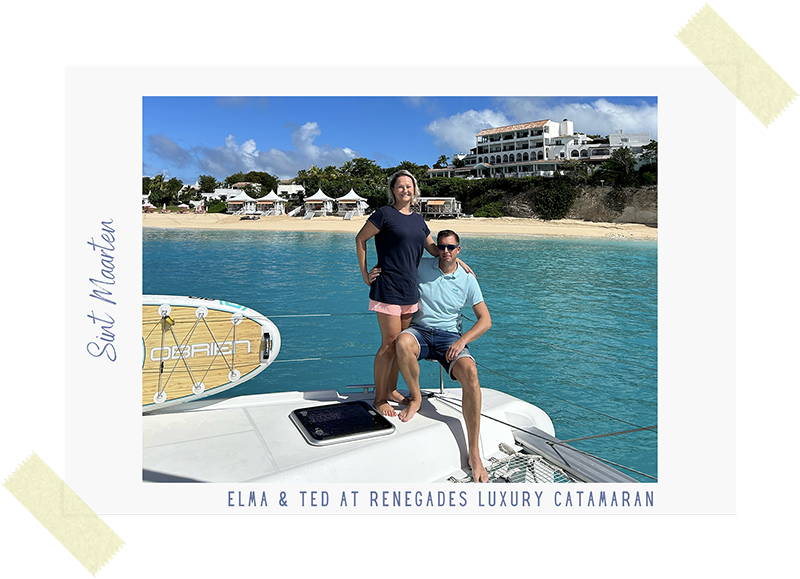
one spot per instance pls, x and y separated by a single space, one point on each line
253 439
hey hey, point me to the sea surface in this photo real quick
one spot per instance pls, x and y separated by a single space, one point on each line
575 321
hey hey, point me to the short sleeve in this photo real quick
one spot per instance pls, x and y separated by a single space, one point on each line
474 295
377 218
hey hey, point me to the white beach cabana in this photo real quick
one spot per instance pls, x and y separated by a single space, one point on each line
318 204
433 207
271 204
352 204
241 204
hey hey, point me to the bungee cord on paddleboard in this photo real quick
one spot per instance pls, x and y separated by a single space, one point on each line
166 322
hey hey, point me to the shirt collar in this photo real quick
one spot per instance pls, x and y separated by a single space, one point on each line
447 275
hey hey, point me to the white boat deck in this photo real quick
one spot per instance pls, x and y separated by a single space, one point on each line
252 439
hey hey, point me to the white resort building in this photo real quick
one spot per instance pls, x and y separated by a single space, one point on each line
289 191
536 149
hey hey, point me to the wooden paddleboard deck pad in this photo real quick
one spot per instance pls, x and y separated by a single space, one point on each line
193 347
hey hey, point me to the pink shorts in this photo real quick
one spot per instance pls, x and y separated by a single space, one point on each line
392 310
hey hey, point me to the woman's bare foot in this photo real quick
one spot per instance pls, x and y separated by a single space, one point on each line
409 412
384 407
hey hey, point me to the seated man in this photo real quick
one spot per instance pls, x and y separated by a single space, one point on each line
435 332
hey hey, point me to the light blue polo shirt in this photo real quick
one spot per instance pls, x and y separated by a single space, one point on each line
442 296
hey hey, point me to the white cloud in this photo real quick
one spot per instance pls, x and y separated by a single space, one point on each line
303 141
232 157
598 117
167 149
306 153
457 133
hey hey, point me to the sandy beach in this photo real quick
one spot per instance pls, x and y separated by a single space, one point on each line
474 225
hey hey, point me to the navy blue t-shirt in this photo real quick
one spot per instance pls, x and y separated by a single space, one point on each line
399 244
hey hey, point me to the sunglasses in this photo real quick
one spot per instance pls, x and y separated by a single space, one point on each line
447 247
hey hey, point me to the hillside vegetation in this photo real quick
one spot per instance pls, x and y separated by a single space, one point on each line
614 191
551 198
590 203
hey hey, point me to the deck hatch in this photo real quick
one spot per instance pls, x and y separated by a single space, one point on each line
336 423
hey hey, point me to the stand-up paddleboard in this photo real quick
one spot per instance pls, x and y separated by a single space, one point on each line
194 347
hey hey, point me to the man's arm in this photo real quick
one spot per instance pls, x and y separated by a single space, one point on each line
431 246
482 324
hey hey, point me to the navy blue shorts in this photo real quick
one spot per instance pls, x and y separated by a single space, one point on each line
433 345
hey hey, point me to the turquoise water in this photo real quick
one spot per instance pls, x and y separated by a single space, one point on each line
575 321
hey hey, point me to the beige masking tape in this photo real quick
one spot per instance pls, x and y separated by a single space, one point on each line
733 62
63 513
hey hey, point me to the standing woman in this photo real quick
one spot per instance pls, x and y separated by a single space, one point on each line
400 236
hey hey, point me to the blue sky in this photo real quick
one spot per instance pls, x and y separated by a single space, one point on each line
185 137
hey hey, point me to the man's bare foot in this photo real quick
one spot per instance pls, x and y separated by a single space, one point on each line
409 412
384 407
479 474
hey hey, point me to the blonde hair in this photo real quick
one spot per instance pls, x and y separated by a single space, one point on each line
393 179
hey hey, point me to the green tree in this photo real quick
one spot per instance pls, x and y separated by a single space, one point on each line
172 189
265 180
157 194
146 184
188 194
648 172
441 163
232 180
364 170
419 171
619 169
162 191
575 172
650 154
208 183
311 179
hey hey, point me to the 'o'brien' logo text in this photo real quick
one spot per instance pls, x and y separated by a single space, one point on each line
160 354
